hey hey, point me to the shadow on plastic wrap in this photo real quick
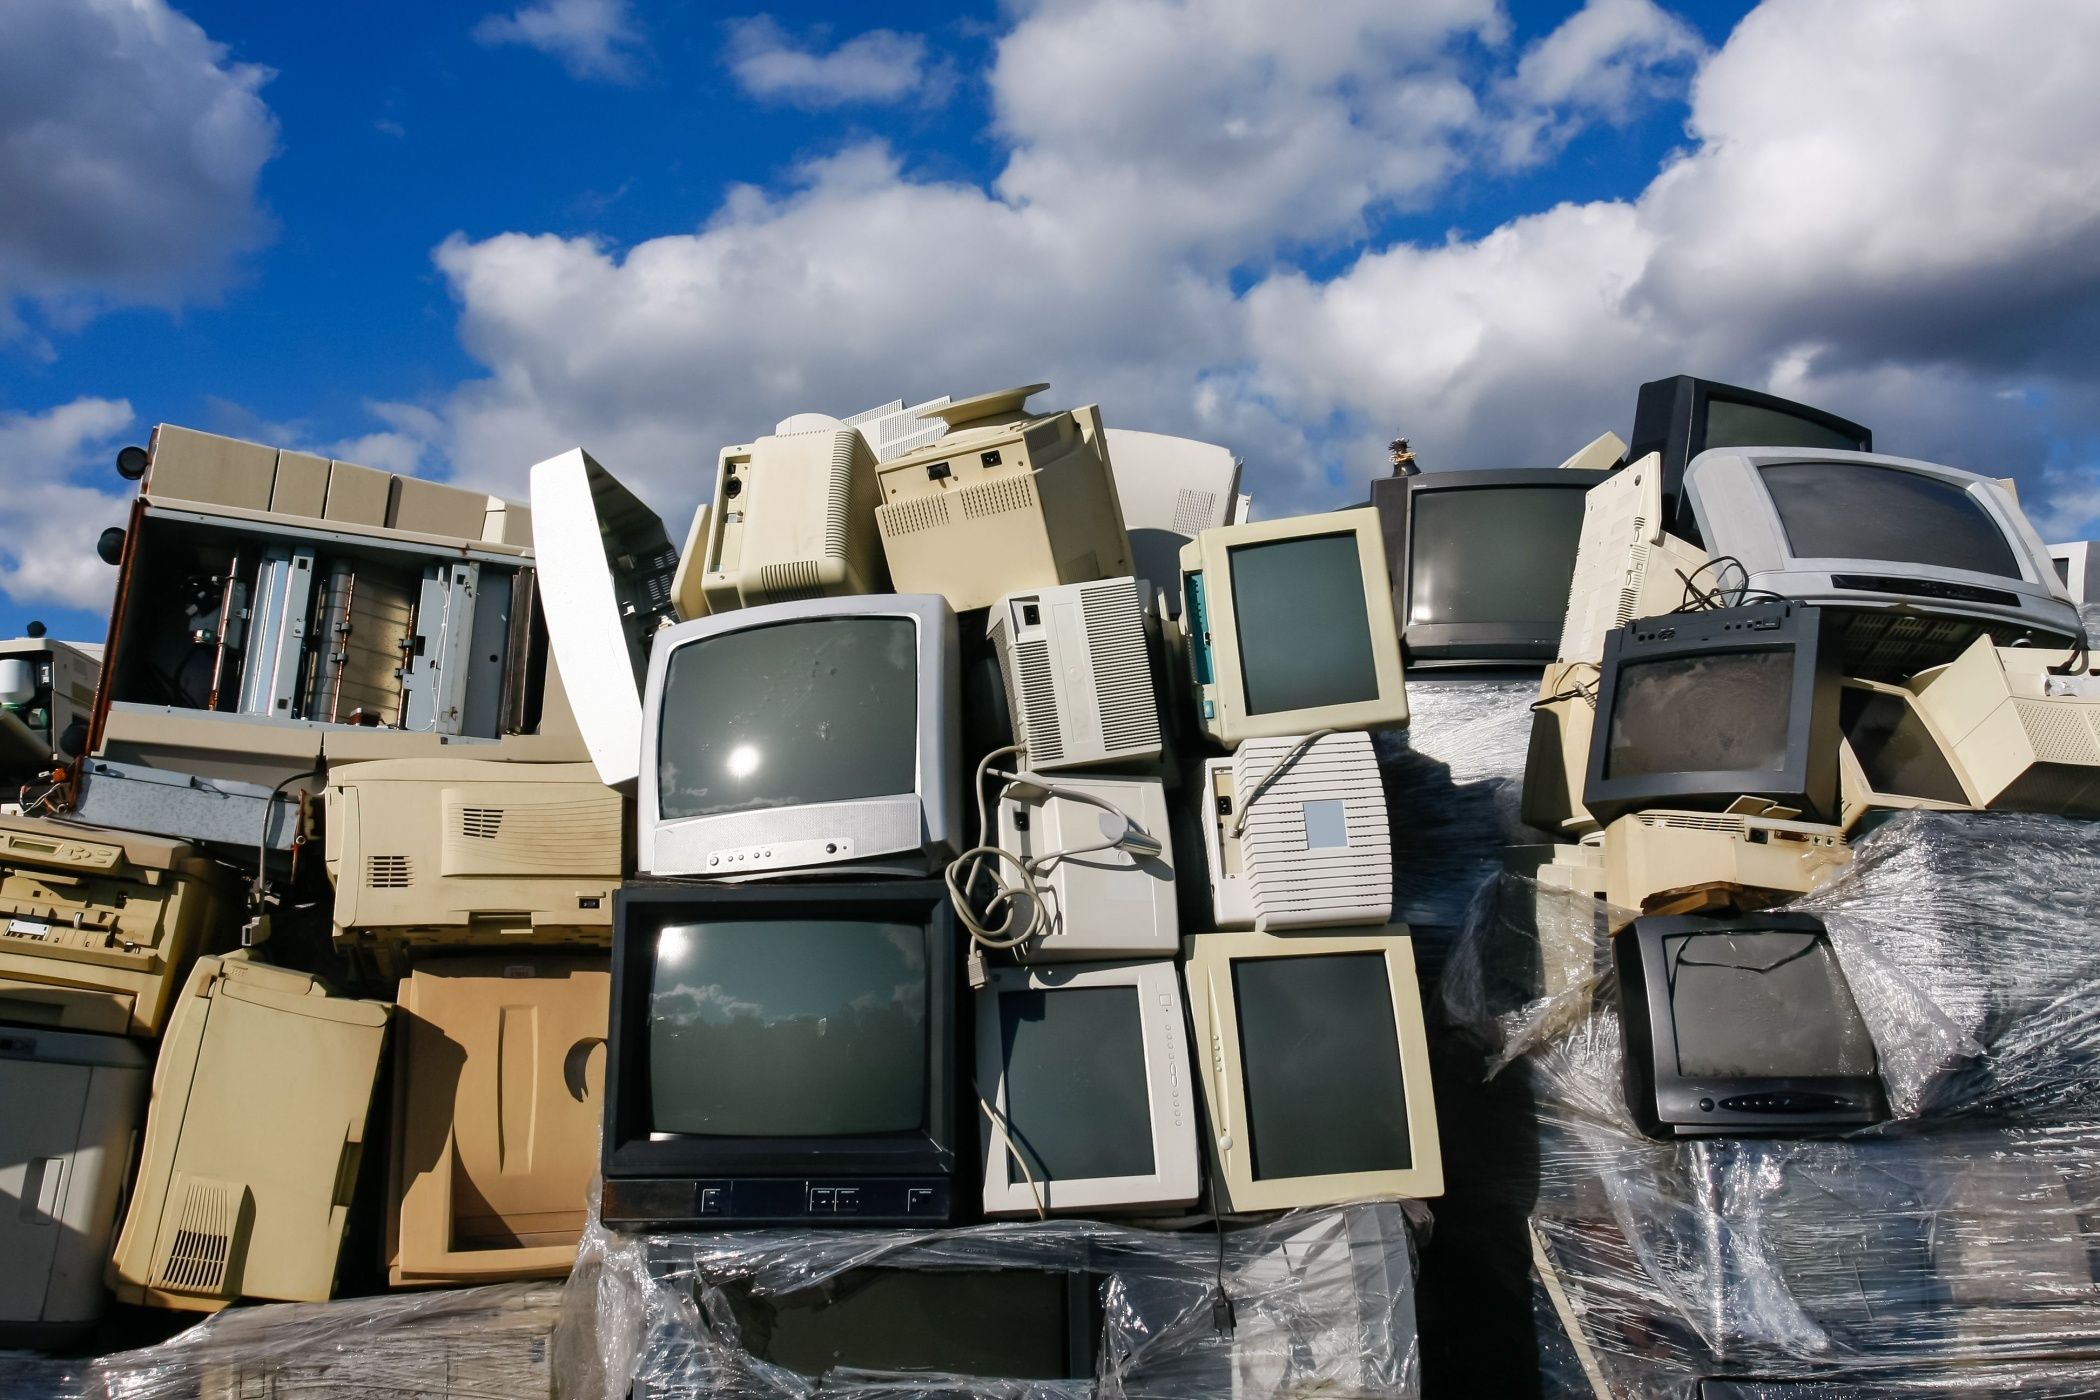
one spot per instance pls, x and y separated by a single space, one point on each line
1323 1303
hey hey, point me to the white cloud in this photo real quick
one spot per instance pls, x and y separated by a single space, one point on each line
878 66
1598 64
48 519
592 38
129 152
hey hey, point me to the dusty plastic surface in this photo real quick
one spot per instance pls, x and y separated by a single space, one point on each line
1323 1303
1962 1234
488 1343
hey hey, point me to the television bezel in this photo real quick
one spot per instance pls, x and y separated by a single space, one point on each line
1210 626
1726 496
920 825
630 1150
1207 960
1858 796
1808 781
1430 645
1176 1176
1666 1102
1669 416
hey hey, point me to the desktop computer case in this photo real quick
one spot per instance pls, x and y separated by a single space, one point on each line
499 1084
1078 674
1032 505
260 1101
796 519
100 926
72 1110
1106 904
1286 870
2027 739
1669 862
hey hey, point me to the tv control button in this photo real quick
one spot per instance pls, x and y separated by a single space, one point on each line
823 1200
919 1198
711 1202
1784 1103
847 1200
1706 1105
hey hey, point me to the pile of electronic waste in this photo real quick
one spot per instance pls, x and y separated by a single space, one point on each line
952 926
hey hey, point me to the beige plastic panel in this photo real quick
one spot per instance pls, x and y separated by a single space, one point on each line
433 508
2027 740
796 521
1668 862
191 466
1557 763
302 485
357 495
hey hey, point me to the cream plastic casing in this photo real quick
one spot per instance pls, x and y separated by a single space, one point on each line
1649 855
1626 565
2027 740
1078 674
1107 904
1317 851
794 517
1858 796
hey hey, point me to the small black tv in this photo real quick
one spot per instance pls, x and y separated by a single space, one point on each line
1680 417
1697 709
1481 561
781 1054
1742 1027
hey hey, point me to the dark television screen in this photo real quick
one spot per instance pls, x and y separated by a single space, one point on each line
1492 554
1848 510
788 1028
1724 712
788 715
1010 1323
1767 1004
1304 630
1321 1058
1732 424
1077 1102
1896 752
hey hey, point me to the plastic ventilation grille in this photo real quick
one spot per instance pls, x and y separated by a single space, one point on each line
839 514
999 496
1115 637
2059 733
1287 877
197 1257
481 823
784 583
1044 735
1687 821
388 873
913 515
1194 511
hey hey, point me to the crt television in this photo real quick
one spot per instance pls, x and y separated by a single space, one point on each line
1681 417
792 736
1918 559
1481 561
781 1054
1695 710
1290 627
1742 1026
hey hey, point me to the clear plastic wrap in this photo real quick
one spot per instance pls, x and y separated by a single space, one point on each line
1322 1302
488 1343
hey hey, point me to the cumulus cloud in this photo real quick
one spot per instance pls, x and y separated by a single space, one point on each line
1598 65
49 516
876 67
129 152
592 38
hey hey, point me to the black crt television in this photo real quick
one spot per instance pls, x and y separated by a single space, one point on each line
1697 709
781 1054
1742 1027
1680 417
1481 561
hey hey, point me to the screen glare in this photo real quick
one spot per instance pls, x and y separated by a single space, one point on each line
1501 554
1850 510
1726 712
1303 628
1763 1004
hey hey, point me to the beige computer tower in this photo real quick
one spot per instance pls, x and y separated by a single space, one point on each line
499 1083
1664 862
260 1100
794 518
2027 739
1004 502
98 928
1626 566
1557 764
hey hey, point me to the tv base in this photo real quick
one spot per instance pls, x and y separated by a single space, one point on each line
633 1203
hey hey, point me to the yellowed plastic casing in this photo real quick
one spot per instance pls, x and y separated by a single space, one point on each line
1661 857
1557 763
794 518
1626 566
1857 796
2027 740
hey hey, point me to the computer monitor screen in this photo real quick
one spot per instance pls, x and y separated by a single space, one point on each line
1727 711
1849 510
1078 1100
1733 424
1766 1004
1303 628
1014 1324
1896 752
789 1028
1492 554
790 714
1321 1058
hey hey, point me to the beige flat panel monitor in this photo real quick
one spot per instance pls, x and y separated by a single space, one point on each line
2026 737
1078 674
1893 757
1113 903
794 518
260 1101
1297 834
1317 1081
498 1088
1290 627
1672 862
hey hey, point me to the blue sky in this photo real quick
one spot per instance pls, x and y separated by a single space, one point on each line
454 239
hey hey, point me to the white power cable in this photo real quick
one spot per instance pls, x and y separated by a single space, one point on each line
1298 751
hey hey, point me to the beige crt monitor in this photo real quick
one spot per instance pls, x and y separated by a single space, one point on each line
260 1100
794 518
1321 1036
2026 738
455 853
499 1083
1892 757
1289 627
98 928
1627 565
1004 501
1669 862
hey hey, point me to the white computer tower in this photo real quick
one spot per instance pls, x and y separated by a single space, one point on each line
1103 904
1078 674
1315 848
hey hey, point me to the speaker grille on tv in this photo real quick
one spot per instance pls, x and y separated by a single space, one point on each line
388 873
1002 495
1044 736
200 1248
913 515
1115 631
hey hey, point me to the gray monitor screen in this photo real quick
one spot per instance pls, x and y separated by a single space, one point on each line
1896 752
1755 1004
788 1028
1731 424
1492 554
1077 1102
1851 510
1321 1059
789 715
1304 629
1009 1323
1721 713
